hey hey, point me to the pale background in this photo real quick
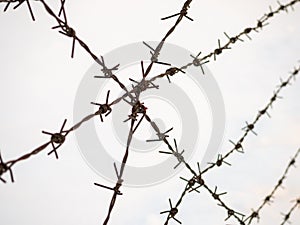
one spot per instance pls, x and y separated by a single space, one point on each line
39 82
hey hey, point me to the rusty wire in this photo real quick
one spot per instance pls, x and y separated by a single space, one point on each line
238 147
138 108
260 24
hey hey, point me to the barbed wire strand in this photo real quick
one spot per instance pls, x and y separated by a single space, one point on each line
119 182
182 14
59 138
221 159
137 108
70 32
249 128
261 23
292 209
196 179
270 196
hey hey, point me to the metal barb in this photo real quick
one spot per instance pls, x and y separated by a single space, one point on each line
104 109
57 139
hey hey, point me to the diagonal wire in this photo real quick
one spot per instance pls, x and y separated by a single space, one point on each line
268 198
261 23
249 128
289 213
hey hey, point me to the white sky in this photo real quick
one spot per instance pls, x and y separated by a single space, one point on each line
39 82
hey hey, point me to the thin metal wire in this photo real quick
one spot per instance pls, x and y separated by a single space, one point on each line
260 24
270 196
138 108
287 216
238 147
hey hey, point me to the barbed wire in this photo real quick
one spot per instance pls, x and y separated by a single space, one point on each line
249 128
183 13
57 139
261 23
70 32
137 108
104 109
289 213
119 182
238 147
269 197
198 179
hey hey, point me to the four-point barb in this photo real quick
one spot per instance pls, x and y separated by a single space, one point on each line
237 146
69 32
217 196
3 169
232 40
231 212
103 108
220 161
107 72
137 108
198 62
172 212
57 138
161 136
253 215
116 189
268 199
182 13
265 111
191 183
154 53
176 153
219 50
143 84
172 71
260 24
249 127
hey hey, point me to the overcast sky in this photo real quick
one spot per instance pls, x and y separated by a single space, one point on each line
39 82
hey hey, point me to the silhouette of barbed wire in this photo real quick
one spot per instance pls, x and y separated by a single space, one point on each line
119 182
102 110
137 107
261 23
195 180
172 212
287 216
270 196
183 13
238 147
